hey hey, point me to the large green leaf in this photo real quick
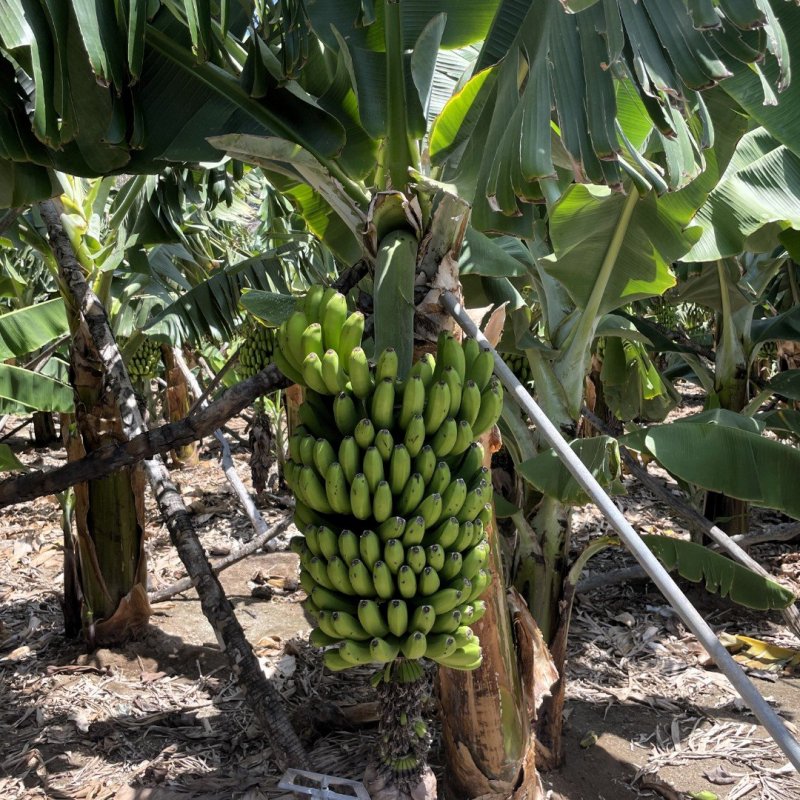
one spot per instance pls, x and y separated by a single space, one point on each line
26 330
481 255
786 384
271 307
784 326
583 225
720 575
8 461
722 458
23 391
547 473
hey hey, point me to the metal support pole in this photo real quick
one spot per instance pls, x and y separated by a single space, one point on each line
676 598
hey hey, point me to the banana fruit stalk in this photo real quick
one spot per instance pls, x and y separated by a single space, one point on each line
391 493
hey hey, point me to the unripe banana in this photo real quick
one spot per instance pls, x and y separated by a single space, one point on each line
386 365
415 558
481 369
471 350
436 407
334 661
425 368
406 582
349 458
382 502
327 296
318 424
344 413
361 579
422 619
491 408
480 480
319 638
411 496
473 504
369 546
324 455
445 534
392 528
439 644
471 462
337 491
312 374
467 659
464 438
414 645
328 542
328 600
308 583
414 531
350 338
445 600
312 538
297 544
413 400
333 319
385 443
307 445
288 370
313 490
360 375
485 515
294 447
447 622
470 402
444 439
383 580
360 498
455 385
464 637
428 581
430 509
472 611
394 555
453 356
371 619
325 623
454 497
461 584
372 467
397 616
399 468
382 405
479 584
364 433
356 653
312 342
303 515
440 479
425 463
295 326
414 438
383 650
348 626
332 374
312 301
338 576
434 555
451 567
348 546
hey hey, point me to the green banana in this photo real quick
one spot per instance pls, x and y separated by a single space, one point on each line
334 661
313 490
480 479
297 544
312 301
430 509
445 600
348 626
349 457
382 404
332 373
473 503
291 371
434 555
350 338
360 375
454 497
397 616
383 650
391 528
461 584
294 447
485 515
481 369
307 445
464 438
327 296
479 584
414 438
424 368
386 365
361 579
355 653
312 341
436 407
465 534
478 533
344 413
369 546
319 638
445 438
444 535
440 479
382 502
312 374
470 402
453 356
383 580
414 645
456 386
399 468
428 581
371 619
464 637
348 546
328 600
451 567
308 583
471 350
372 467
412 495
439 644
422 619
338 576
360 498
466 659
328 542
319 424
325 623
472 612
447 622
471 462
491 408
413 400
425 463
385 443
333 319
414 531
295 326
319 572
394 555
406 582
337 492
415 558
324 455
312 538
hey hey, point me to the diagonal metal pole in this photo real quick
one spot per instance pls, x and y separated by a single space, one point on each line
676 598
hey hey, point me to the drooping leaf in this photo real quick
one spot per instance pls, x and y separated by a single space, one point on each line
270 307
786 384
482 255
28 329
785 326
23 391
720 575
8 461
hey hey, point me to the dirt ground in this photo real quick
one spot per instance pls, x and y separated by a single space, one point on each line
647 715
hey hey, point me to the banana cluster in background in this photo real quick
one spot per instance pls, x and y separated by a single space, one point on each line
392 495
255 352
145 361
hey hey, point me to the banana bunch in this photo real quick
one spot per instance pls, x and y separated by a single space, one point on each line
316 344
393 500
520 366
145 361
255 352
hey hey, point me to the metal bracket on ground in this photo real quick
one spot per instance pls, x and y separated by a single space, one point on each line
319 787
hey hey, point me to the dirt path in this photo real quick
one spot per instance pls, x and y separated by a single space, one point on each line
162 719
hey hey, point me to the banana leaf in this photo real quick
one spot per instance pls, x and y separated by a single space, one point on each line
28 329
23 391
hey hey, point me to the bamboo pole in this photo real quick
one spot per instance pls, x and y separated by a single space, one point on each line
671 591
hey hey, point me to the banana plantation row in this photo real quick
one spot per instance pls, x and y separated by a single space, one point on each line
280 193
